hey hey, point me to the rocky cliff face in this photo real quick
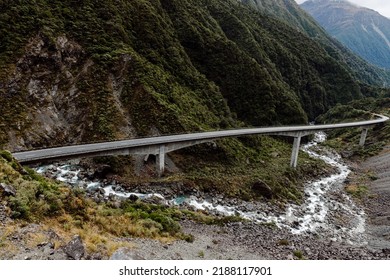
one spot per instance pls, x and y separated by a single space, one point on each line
363 30
48 87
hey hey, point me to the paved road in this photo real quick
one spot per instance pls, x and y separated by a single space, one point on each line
195 138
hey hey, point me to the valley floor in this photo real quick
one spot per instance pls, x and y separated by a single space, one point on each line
240 241
254 241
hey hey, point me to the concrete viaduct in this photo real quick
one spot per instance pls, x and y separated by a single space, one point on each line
161 145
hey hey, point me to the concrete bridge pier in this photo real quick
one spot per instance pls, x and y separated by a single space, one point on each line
363 136
160 160
295 151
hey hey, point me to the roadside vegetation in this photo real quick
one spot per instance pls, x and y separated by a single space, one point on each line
346 141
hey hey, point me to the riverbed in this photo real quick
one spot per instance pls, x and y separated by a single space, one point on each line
326 212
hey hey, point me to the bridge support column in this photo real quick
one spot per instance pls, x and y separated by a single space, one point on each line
295 151
161 160
363 137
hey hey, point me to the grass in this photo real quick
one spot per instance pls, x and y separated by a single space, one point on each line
95 237
7 247
69 212
201 254
283 242
299 255
358 191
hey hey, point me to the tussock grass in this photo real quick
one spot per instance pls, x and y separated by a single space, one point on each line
68 212
358 191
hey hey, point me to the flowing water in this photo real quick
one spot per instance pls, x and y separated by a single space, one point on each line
326 211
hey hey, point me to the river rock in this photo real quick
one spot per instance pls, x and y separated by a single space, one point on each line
386 251
75 249
133 198
7 190
125 254
346 154
153 199
261 188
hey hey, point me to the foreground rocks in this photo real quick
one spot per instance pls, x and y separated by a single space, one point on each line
32 242
75 249
245 241
7 190
239 241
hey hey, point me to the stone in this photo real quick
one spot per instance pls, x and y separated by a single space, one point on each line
75 249
261 188
7 190
275 154
154 200
125 254
386 251
346 154
133 198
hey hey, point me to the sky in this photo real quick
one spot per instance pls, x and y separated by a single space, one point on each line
381 6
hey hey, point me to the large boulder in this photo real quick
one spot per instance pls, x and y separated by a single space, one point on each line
75 249
260 188
7 190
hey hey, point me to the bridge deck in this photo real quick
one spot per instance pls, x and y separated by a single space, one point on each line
164 144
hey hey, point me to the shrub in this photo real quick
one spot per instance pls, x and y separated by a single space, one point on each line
169 225
299 255
6 155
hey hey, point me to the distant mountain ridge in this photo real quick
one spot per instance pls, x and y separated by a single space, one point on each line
291 13
364 31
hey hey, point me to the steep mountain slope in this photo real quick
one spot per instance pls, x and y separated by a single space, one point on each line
363 30
290 12
83 71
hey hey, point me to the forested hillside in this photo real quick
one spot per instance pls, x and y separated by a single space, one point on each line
80 71
291 13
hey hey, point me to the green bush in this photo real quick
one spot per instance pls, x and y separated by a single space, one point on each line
6 155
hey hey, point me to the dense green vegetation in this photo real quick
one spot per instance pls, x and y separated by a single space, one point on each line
347 140
179 66
289 12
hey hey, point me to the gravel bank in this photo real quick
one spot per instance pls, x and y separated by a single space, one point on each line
242 241
378 203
